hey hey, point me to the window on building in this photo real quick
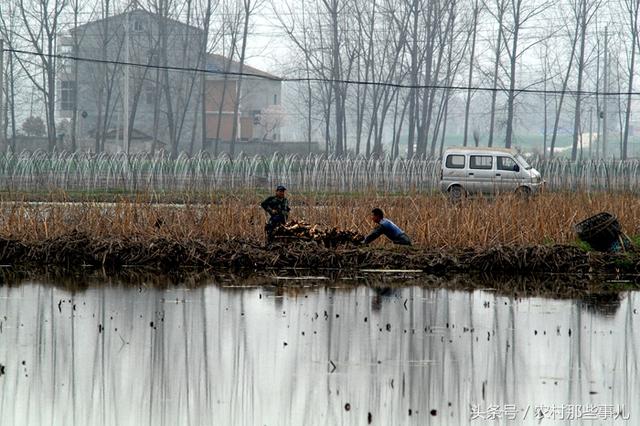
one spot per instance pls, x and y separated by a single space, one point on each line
137 26
66 50
67 95
275 99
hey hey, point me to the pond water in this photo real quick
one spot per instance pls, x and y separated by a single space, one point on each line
322 355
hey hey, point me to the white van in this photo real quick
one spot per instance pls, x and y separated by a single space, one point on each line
488 171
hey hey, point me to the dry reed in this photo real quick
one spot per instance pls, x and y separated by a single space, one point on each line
431 221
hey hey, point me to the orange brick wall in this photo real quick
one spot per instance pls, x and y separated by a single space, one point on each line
226 128
214 95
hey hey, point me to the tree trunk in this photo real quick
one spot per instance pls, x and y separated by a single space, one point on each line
413 94
467 106
635 5
576 117
512 76
496 66
423 127
243 49
336 76
76 49
13 104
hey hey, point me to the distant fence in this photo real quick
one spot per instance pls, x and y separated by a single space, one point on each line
41 171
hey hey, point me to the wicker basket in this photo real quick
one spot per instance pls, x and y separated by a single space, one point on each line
601 231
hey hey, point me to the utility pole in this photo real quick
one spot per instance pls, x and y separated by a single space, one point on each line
546 129
125 130
2 141
605 98
590 132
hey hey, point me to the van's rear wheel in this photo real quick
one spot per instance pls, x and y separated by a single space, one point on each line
523 192
456 193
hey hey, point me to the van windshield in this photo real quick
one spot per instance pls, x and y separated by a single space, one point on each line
523 162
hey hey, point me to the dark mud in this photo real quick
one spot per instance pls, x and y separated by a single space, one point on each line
574 270
594 290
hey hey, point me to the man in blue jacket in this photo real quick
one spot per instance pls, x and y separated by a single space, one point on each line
388 228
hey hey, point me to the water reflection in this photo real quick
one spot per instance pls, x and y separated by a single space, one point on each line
216 355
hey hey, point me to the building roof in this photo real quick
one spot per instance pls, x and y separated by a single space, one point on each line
138 12
219 63
118 133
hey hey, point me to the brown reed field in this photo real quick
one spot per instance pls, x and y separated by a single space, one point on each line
430 220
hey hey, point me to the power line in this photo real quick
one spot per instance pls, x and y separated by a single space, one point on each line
266 76
140 65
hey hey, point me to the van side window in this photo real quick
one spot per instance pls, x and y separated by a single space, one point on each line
484 162
506 163
455 162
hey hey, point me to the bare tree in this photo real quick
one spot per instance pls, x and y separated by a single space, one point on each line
449 17
573 36
474 32
249 7
416 7
432 17
498 14
322 55
632 6
584 11
453 65
366 20
230 31
75 36
333 9
104 74
9 23
520 13
390 48
41 27
206 10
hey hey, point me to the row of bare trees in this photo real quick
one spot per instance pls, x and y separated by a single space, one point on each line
492 72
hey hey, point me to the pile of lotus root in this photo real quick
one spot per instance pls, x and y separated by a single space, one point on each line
330 237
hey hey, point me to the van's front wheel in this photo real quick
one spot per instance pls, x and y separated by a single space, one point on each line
456 193
523 192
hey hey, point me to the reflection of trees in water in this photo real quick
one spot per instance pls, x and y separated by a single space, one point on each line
601 304
179 356
78 281
297 282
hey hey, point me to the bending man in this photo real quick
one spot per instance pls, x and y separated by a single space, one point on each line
388 228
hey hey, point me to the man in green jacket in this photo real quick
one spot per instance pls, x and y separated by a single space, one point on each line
277 206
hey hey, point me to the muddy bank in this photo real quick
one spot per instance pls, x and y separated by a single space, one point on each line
599 291
77 250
